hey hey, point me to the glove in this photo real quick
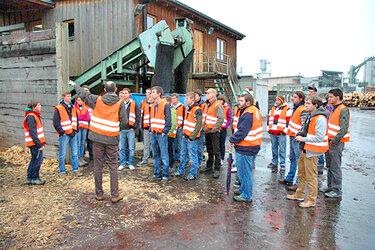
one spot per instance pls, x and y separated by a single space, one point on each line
72 134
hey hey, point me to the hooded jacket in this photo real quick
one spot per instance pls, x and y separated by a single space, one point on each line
109 99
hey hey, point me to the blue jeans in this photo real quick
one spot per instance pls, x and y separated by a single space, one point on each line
278 149
159 146
127 138
244 171
81 139
177 144
321 160
200 146
188 151
63 143
293 157
171 141
35 163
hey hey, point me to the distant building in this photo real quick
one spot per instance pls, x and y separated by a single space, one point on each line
282 80
369 72
260 90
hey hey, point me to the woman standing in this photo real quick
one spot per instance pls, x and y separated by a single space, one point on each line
35 140
83 125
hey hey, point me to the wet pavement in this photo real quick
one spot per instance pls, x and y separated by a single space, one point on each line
270 221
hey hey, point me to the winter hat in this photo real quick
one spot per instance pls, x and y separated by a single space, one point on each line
281 99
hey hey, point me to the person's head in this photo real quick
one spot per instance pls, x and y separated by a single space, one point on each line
148 93
86 88
35 106
190 98
197 94
222 99
79 101
313 103
298 97
110 87
245 100
67 97
167 98
279 101
250 90
335 96
121 94
156 93
312 90
326 97
175 97
211 94
126 92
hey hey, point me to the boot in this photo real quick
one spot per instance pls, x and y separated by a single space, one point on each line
37 182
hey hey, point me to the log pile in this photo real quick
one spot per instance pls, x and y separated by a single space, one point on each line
360 100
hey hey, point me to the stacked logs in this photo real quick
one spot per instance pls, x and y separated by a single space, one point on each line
356 99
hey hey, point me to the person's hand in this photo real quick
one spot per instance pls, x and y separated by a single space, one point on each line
298 138
71 83
132 129
42 148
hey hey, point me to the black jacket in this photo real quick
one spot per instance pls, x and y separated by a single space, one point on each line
56 119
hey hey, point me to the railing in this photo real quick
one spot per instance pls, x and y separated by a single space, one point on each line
211 62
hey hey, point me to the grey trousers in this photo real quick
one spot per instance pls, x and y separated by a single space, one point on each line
99 150
333 161
146 145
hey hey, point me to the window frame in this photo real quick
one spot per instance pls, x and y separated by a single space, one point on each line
221 46
70 23
151 16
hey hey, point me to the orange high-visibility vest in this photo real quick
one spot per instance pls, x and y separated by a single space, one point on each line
67 125
132 112
39 129
88 108
190 121
319 147
334 124
295 124
180 115
226 107
145 114
105 119
236 116
281 121
158 117
211 118
255 135
82 124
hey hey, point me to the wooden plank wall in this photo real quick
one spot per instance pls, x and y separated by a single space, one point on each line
27 72
101 27
20 17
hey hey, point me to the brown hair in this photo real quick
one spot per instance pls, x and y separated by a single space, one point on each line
315 100
301 96
175 95
223 97
66 93
190 95
159 90
168 98
198 91
248 98
32 104
126 89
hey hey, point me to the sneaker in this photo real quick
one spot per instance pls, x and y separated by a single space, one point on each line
205 170
28 181
307 204
293 187
240 199
81 162
121 167
236 184
320 169
294 197
282 169
325 189
216 174
333 194
120 196
131 167
271 165
141 164
154 178
164 180
77 173
285 182
62 174
234 170
176 174
190 177
37 182
237 192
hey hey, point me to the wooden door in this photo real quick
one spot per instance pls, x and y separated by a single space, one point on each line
198 46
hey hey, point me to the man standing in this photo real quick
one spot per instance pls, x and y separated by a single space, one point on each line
172 133
338 135
247 140
127 135
214 112
145 125
191 130
277 123
313 143
201 138
109 111
180 109
295 124
65 122
312 91
160 126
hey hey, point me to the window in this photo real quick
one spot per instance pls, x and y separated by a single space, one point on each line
151 21
70 23
220 49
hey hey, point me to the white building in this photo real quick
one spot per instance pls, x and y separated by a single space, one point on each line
369 72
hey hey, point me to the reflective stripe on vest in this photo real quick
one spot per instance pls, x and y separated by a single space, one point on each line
236 115
132 112
280 123
158 117
190 121
145 114
319 147
255 135
334 124
66 124
83 111
105 118
226 107
180 115
39 130
211 118
295 124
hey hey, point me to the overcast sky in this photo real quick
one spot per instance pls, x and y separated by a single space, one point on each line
297 36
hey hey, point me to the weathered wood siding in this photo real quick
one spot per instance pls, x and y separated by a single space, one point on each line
20 17
101 27
27 72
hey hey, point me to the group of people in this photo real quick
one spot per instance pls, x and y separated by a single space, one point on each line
176 133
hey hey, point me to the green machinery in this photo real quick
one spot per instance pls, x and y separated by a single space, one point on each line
355 69
153 46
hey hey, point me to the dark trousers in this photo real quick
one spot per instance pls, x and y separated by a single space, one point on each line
213 150
170 151
89 148
333 161
35 163
223 137
111 151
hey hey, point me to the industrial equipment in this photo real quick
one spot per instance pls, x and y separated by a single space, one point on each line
355 69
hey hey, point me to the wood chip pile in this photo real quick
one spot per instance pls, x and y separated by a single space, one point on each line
356 99
47 216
